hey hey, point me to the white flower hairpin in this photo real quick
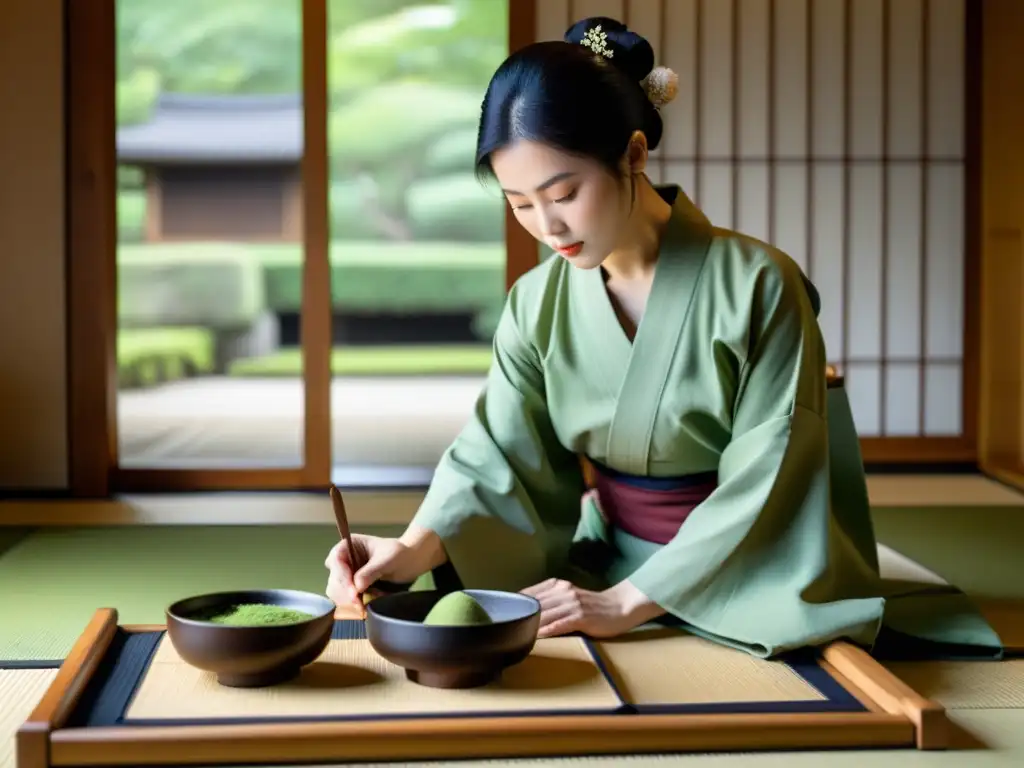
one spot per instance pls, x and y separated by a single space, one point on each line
596 40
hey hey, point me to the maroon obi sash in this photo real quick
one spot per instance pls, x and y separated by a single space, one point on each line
650 508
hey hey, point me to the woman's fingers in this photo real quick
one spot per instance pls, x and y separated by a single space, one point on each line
552 589
338 559
562 626
374 569
559 611
566 608
340 587
561 607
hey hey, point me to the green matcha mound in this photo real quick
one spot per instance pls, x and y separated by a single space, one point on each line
257 615
457 610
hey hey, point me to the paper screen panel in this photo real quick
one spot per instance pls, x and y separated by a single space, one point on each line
837 130
667 667
351 679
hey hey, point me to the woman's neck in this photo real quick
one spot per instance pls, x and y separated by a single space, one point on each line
637 256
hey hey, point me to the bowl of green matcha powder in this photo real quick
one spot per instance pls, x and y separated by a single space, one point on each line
251 638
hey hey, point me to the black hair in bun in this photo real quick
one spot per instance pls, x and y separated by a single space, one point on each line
586 94
628 51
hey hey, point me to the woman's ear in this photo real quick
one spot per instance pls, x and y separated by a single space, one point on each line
636 153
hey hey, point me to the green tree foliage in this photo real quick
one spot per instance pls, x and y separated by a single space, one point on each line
406 78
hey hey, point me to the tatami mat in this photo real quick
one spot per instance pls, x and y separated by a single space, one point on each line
52 581
20 690
979 549
922 491
966 685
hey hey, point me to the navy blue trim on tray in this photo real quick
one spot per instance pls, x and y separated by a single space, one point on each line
112 689
12 664
602 667
116 678
109 696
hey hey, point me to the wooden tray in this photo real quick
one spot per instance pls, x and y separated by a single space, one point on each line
857 704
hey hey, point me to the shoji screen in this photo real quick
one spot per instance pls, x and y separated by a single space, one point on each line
836 130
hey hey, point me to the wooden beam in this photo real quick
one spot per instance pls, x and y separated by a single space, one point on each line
522 251
91 182
316 271
1001 248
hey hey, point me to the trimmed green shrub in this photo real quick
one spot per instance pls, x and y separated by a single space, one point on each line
375 361
150 356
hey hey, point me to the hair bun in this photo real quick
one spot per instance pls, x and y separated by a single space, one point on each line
612 39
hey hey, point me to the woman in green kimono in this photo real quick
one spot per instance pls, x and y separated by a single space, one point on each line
685 364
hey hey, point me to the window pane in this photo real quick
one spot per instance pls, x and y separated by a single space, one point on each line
209 141
417 242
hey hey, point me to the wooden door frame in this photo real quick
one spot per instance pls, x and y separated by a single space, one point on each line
92 265
1001 245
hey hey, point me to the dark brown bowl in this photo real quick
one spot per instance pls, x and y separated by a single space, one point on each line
250 657
453 657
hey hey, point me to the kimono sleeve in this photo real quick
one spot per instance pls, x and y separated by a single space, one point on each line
505 495
760 564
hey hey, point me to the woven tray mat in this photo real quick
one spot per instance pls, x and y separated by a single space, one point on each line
653 667
20 691
664 666
966 684
351 679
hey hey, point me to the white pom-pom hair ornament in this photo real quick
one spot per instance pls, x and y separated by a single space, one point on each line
661 86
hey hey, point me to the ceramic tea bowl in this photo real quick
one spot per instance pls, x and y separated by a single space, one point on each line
256 655
453 656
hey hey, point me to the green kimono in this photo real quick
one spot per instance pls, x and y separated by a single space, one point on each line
726 373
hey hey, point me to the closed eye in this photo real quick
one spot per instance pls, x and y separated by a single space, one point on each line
564 199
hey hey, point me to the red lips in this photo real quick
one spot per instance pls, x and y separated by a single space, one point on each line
570 250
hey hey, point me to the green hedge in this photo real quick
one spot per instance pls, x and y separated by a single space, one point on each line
148 356
409 277
216 286
448 360
225 285
151 356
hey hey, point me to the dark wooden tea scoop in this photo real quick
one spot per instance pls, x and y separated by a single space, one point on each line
341 519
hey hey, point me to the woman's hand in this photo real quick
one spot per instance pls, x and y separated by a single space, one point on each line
566 608
401 560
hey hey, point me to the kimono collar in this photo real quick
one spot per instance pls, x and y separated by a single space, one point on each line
637 371
688 229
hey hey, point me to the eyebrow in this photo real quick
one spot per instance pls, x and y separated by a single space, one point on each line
553 180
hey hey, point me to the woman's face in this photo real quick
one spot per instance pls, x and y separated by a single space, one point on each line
571 204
